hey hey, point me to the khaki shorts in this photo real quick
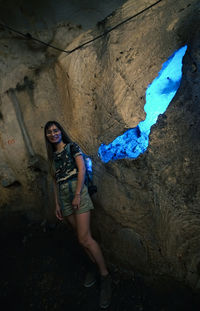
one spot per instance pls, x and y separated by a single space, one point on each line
66 194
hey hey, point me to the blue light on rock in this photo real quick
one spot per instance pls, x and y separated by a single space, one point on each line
158 97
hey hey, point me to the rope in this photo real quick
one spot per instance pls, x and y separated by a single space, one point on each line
28 36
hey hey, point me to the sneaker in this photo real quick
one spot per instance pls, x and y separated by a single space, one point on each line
90 278
106 292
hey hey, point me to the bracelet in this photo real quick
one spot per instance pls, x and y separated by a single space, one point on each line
77 194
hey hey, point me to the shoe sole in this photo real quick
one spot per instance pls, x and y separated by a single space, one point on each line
89 284
105 306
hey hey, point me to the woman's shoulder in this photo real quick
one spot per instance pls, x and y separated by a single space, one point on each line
73 144
75 149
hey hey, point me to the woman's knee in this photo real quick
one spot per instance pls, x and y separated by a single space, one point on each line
85 240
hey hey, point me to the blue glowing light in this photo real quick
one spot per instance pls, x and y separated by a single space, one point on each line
88 164
158 97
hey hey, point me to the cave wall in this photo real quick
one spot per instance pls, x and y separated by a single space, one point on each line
147 213
175 175
132 193
37 15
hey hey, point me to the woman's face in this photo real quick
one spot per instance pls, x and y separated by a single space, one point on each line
53 134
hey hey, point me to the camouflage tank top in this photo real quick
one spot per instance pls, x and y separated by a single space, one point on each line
64 163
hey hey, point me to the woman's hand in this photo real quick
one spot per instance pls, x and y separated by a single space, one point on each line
76 201
58 212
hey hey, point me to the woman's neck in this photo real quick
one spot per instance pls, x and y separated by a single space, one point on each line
59 146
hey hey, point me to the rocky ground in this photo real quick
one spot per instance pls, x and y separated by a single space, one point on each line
42 268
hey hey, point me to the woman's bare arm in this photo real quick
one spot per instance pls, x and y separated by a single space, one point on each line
80 180
58 210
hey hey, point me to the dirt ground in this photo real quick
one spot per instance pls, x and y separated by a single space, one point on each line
42 268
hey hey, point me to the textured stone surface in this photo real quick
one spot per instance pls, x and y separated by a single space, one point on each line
175 175
147 212
45 14
7 176
111 96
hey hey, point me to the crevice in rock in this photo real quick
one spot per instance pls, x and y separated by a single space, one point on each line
15 184
19 115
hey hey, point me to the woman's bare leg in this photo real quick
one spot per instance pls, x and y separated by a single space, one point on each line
86 240
72 220
81 222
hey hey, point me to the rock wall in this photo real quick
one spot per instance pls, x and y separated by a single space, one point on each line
175 174
29 98
138 221
147 213
37 15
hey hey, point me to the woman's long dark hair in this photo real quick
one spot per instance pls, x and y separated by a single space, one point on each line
50 147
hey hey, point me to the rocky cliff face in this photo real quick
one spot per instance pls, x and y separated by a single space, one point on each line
147 212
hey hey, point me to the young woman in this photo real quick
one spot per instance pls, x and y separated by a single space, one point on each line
72 201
